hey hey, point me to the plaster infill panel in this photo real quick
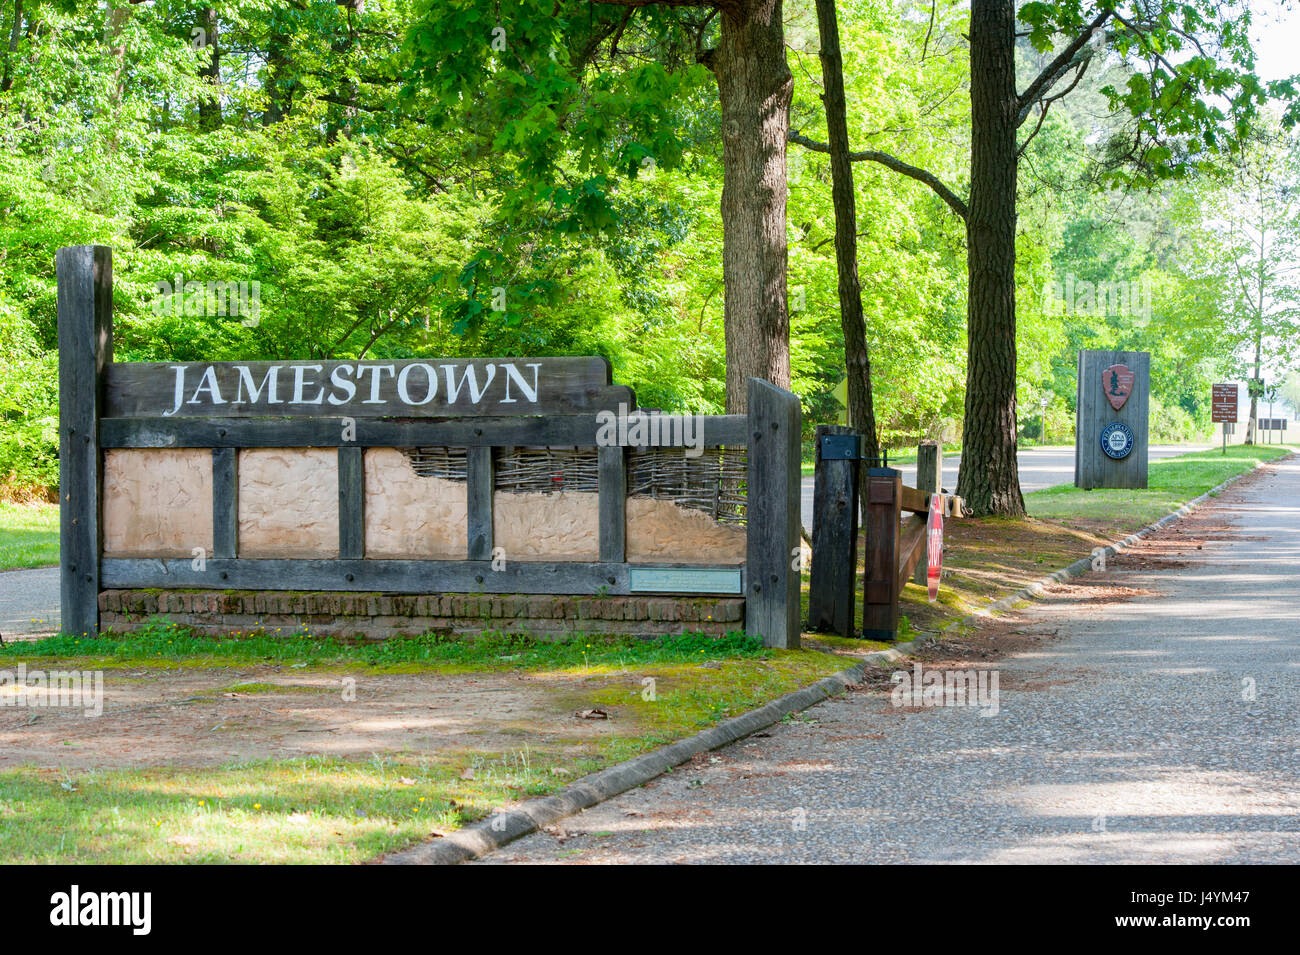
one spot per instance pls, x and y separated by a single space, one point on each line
659 531
531 525
157 503
409 516
289 503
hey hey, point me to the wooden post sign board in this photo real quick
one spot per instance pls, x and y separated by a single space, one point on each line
481 405
1110 444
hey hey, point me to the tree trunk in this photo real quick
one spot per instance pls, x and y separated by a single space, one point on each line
117 19
754 88
1252 423
210 106
1252 426
989 480
857 359
277 63
15 31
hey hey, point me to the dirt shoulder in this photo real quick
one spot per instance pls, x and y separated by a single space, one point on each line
194 717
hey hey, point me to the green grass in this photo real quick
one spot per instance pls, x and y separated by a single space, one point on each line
160 643
689 697
1172 483
29 535
326 810
313 810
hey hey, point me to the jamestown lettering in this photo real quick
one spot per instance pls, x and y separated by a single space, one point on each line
401 385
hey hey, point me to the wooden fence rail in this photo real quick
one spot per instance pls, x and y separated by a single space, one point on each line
894 525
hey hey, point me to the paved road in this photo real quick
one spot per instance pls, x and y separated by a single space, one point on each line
29 601
1157 725
1039 468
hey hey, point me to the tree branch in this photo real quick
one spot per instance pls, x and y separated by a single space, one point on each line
1058 67
897 165
1047 104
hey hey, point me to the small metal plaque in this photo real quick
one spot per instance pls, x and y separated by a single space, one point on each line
841 447
684 580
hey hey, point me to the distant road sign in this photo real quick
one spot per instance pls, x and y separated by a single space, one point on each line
1272 424
1223 403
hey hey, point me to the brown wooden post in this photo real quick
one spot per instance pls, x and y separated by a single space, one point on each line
880 583
772 552
352 503
929 479
832 590
85 315
611 470
225 503
479 486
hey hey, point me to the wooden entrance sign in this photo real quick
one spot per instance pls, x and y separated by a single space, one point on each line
479 405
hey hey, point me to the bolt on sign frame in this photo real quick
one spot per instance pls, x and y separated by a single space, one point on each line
536 402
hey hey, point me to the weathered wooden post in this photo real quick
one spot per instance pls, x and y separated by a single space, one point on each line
832 590
880 578
85 317
478 502
352 503
929 480
612 477
772 516
225 503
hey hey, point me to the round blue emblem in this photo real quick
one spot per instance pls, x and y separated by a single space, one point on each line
1117 440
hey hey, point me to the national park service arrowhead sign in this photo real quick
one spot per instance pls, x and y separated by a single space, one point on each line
1110 447
1117 383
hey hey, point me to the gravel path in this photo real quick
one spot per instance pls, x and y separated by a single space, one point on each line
1127 734
29 602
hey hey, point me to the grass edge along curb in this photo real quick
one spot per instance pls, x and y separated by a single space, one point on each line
1038 589
503 827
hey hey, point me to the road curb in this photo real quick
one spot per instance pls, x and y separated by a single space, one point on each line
503 827
1038 588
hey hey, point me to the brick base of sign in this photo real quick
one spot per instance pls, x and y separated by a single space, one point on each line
377 616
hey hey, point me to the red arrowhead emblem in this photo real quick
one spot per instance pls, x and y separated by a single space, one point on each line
1117 383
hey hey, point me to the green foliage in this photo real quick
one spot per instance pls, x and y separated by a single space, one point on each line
459 178
29 415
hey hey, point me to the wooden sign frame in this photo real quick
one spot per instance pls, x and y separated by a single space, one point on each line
105 405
